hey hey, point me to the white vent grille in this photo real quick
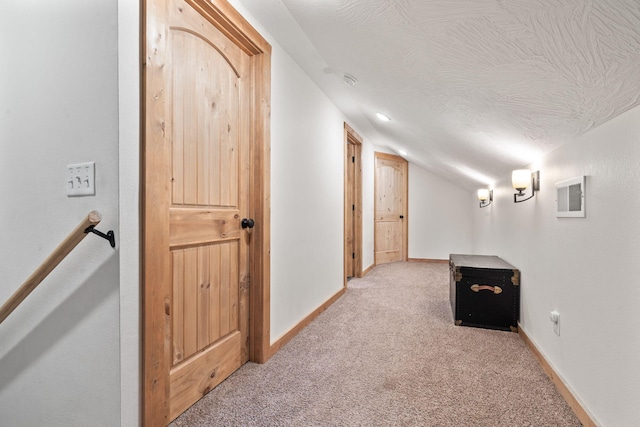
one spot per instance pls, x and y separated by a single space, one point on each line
570 200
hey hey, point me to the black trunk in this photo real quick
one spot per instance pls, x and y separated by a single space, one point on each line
484 292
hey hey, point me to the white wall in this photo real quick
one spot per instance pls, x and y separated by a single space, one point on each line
307 192
307 196
440 222
129 195
586 269
59 351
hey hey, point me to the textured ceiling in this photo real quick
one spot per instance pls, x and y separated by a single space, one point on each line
474 88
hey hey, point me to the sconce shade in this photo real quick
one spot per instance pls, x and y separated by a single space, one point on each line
521 179
485 196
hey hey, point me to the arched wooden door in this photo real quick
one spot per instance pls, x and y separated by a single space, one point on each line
391 219
199 232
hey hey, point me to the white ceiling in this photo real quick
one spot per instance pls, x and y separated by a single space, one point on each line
474 88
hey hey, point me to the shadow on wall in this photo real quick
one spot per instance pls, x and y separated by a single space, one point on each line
62 320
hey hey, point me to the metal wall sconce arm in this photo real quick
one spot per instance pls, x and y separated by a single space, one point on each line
523 178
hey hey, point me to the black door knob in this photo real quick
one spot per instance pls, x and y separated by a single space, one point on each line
401 216
247 223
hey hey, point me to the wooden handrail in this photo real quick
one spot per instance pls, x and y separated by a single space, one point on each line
49 264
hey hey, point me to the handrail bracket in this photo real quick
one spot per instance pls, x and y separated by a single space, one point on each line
110 236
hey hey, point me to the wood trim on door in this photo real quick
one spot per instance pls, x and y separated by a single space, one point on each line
155 144
260 200
352 137
405 204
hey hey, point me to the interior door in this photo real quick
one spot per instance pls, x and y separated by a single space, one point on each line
352 204
350 216
390 208
197 182
210 122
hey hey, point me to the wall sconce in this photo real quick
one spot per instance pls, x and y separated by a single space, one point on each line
484 195
521 179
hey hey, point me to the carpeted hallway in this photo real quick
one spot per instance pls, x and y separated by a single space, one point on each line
388 354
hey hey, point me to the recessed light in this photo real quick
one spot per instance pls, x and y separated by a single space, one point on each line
402 152
383 117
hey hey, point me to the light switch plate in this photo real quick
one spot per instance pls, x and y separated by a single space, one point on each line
81 178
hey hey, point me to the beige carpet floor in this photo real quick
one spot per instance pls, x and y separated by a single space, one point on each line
388 354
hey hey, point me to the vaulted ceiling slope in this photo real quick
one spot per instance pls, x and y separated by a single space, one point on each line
474 88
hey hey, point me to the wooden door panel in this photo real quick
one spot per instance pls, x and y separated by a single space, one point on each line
190 302
205 297
389 236
206 122
201 226
390 208
384 257
184 16
389 198
190 381
389 216
388 241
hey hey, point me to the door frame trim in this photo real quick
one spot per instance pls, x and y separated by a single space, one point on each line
352 137
155 300
405 202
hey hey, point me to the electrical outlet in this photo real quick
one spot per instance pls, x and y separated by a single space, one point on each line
554 316
81 179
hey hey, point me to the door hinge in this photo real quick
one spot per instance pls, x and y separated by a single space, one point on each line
353 159
353 207
353 255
